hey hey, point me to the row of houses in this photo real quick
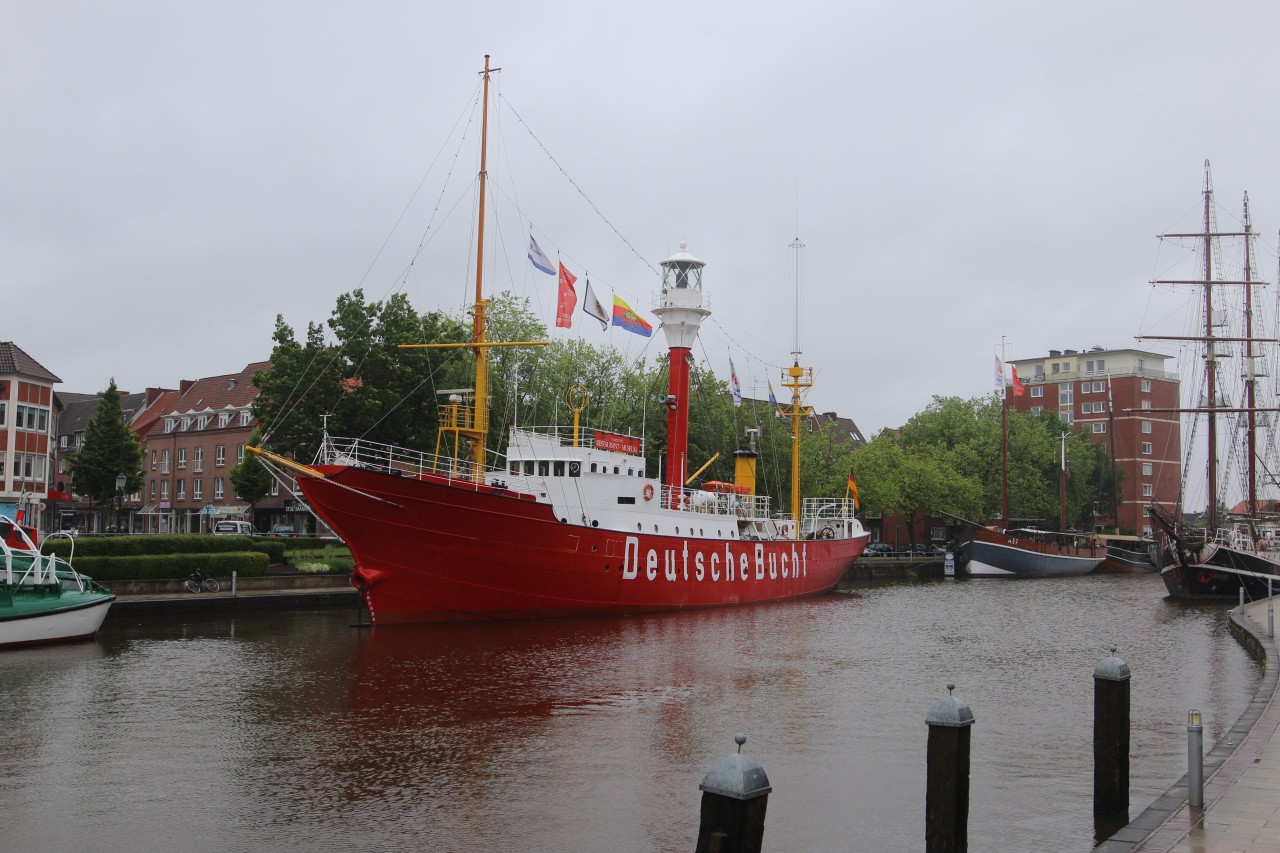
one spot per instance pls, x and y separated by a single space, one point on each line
192 436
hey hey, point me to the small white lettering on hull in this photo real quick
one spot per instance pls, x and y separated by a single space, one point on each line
699 564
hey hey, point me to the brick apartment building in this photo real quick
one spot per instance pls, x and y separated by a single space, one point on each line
1106 392
26 427
192 437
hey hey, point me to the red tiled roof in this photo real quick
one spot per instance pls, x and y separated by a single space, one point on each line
211 394
1242 508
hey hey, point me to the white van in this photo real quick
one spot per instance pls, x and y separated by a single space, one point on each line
233 528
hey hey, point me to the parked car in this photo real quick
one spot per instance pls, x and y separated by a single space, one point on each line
284 530
233 528
878 549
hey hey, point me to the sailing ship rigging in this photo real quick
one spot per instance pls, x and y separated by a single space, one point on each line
1240 552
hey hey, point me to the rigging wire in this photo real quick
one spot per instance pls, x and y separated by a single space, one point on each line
574 184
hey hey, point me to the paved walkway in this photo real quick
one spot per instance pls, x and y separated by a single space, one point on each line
1242 783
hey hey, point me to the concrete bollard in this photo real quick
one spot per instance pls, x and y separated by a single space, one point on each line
1195 760
735 794
946 807
1111 737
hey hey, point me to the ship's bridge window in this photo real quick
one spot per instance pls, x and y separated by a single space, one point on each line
559 469
515 467
528 467
544 467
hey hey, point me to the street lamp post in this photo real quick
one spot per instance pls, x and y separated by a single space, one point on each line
121 481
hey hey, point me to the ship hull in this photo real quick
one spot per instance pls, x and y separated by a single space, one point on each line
431 550
1221 573
992 559
76 616
1122 560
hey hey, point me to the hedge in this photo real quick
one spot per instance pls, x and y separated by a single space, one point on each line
163 566
184 543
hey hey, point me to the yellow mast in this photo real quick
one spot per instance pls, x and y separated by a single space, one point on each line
458 418
576 399
478 430
796 378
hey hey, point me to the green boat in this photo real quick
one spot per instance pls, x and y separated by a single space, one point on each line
43 599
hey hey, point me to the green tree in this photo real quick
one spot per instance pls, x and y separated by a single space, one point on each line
966 434
364 384
914 481
109 450
250 478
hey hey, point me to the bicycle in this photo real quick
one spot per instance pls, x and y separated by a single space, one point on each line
201 582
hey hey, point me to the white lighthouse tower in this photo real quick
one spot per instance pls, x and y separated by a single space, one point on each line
681 306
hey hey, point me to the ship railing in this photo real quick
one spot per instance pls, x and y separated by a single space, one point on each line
563 435
747 507
42 568
826 509
1241 540
374 455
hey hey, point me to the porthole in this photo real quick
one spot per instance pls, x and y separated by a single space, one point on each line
677 531
595 523
655 528
639 527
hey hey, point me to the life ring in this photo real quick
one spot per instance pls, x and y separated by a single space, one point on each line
648 491
784 530
826 533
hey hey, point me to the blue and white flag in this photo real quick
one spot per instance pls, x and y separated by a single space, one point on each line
733 384
1000 377
540 260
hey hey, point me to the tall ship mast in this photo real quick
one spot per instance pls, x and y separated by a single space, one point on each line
1242 553
570 522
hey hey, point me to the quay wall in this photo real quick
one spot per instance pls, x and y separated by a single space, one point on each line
892 568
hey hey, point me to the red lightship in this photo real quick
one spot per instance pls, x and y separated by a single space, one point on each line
572 524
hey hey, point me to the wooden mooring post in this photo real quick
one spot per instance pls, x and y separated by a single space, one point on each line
1111 737
735 794
946 806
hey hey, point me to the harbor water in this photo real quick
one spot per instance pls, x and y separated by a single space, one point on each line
295 731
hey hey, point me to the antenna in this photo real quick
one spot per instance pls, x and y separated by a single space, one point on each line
797 249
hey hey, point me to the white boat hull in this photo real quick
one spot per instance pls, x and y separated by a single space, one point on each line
55 626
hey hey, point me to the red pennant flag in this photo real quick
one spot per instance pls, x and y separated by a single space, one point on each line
1018 390
568 299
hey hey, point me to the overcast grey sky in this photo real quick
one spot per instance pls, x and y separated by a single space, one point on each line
176 174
